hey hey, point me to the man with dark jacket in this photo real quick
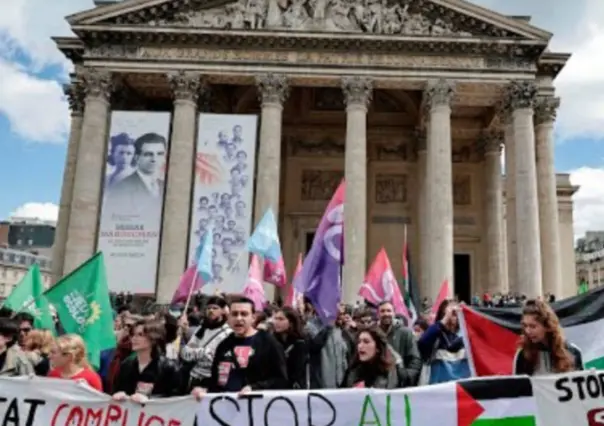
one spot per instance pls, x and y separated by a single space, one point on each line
248 359
402 341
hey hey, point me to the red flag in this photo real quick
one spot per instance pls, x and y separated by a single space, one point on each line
380 285
253 287
491 347
190 278
293 296
274 272
443 294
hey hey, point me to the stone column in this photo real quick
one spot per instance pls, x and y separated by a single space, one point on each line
545 115
357 95
439 172
521 96
90 169
493 211
75 95
510 200
177 199
272 91
423 226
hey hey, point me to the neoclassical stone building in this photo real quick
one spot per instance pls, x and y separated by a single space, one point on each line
410 100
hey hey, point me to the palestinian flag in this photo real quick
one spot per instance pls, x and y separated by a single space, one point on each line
504 401
491 334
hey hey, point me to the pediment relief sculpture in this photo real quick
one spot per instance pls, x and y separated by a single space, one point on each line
352 16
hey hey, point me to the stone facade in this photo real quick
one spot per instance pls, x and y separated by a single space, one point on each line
343 89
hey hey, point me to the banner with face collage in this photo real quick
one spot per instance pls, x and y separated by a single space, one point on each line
133 197
568 399
223 196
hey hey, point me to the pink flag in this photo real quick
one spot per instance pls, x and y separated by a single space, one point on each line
443 294
253 287
189 278
380 285
293 297
274 272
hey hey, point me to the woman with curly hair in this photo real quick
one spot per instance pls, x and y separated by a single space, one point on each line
543 349
374 364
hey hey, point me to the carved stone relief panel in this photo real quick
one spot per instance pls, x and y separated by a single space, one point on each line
462 190
325 146
392 150
390 188
319 185
363 16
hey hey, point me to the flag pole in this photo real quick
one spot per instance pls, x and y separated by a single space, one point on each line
191 287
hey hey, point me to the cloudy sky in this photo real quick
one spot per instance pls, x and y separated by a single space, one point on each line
34 117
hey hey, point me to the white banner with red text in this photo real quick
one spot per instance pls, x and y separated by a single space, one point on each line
570 399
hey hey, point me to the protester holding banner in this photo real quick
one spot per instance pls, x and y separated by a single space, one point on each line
287 328
543 349
442 348
149 373
401 339
248 359
68 359
37 346
200 349
13 361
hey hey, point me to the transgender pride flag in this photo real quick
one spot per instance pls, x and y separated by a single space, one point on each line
320 278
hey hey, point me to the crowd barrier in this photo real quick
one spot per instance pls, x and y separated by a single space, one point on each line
572 399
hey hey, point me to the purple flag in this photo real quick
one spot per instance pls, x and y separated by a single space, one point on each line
320 277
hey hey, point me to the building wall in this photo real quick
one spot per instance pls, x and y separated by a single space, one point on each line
14 265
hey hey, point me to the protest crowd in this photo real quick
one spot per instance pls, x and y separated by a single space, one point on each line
207 343
222 344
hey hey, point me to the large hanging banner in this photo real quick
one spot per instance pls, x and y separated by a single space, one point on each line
57 402
223 195
133 199
572 399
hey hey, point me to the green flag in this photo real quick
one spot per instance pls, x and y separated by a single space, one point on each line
82 303
27 297
583 287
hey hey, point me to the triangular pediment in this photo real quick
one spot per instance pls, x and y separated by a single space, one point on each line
436 18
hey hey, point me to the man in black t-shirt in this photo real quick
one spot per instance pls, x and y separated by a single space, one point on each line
248 359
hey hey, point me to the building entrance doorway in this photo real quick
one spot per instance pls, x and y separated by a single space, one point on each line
462 277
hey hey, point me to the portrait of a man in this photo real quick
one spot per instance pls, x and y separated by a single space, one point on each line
144 183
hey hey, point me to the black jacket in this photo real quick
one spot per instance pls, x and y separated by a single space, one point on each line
296 360
266 367
162 373
521 366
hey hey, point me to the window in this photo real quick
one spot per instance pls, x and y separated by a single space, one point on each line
22 260
11 258
19 241
30 242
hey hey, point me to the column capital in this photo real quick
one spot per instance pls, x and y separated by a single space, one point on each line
520 94
546 109
357 91
439 93
185 86
75 96
491 142
272 88
97 83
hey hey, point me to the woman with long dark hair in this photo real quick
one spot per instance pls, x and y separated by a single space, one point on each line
149 373
543 349
287 328
373 365
442 348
